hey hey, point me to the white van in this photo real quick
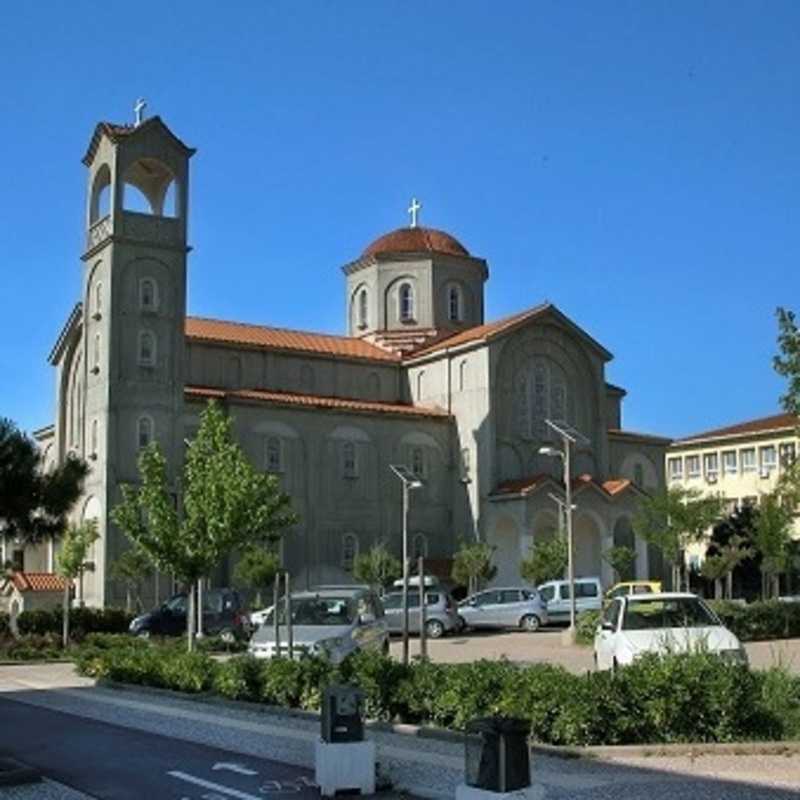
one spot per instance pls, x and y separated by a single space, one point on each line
588 597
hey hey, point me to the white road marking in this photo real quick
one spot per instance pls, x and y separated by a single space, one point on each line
231 767
217 787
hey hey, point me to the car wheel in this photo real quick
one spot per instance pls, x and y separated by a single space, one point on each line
531 623
434 629
227 636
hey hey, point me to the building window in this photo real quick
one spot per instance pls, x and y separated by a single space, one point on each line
788 454
729 465
420 383
274 455
93 439
147 349
406 303
454 304
711 465
462 375
767 458
148 295
98 300
692 466
349 460
540 393
362 308
96 354
349 551
144 432
420 546
418 461
675 469
748 459
465 464
638 475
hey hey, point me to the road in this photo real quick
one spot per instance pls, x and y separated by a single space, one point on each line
117 763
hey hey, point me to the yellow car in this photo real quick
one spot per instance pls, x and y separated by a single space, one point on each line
633 587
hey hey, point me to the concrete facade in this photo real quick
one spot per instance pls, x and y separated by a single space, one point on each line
420 379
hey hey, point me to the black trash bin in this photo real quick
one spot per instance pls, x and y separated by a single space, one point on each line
496 754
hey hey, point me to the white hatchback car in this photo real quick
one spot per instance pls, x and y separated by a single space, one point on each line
660 623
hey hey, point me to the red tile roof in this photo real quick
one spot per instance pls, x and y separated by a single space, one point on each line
416 240
117 132
313 401
774 423
38 582
524 486
240 333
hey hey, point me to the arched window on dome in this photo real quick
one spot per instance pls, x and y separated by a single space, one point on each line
406 302
362 308
454 304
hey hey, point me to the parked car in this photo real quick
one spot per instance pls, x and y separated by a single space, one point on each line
511 607
440 612
659 623
332 622
257 618
588 597
224 615
633 587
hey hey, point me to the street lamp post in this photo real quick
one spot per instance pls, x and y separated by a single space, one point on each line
409 481
569 436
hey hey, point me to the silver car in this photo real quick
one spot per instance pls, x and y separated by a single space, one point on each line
331 622
440 612
588 597
504 608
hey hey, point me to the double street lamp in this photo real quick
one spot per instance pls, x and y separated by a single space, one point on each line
569 436
410 481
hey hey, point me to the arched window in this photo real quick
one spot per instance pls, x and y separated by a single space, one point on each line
100 205
274 455
96 354
362 308
406 302
148 294
462 375
420 546
349 460
638 475
147 349
93 439
540 394
144 432
349 551
98 300
418 461
420 383
454 304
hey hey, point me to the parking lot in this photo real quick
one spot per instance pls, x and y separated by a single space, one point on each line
545 646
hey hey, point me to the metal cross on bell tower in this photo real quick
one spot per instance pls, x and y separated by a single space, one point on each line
413 209
138 110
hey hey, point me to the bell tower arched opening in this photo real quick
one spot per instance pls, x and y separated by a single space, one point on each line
149 187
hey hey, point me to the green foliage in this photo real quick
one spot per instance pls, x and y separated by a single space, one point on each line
760 621
257 569
675 698
787 363
34 502
82 621
772 535
621 559
586 625
31 648
377 567
546 561
131 568
472 564
71 561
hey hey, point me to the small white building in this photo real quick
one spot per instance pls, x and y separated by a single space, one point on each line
29 591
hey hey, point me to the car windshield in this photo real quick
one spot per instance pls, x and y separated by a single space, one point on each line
679 612
547 592
316 611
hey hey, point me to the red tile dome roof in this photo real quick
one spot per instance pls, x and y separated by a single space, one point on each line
416 240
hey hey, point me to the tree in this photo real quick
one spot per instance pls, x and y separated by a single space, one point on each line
131 568
546 561
377 567
720 566
621 559
787 363
257 569
736 529
72 562
772 537
227 505
34 503
674 519
473 564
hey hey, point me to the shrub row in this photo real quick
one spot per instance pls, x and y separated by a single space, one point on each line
81 621
677 698
5 624
35 647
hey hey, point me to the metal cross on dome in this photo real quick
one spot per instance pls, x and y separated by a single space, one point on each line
138 108
413 209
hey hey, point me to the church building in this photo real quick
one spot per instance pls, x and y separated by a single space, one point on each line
421 379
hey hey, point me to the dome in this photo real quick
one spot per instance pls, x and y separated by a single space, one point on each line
416 240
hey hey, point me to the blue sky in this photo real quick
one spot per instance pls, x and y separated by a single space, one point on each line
637 163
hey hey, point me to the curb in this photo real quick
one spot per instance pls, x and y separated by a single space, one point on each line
15 773
596 752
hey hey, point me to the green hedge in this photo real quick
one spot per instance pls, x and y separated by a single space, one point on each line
35 647
759 621
677 698
82 621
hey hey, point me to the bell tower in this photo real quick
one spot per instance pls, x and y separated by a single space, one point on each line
134 309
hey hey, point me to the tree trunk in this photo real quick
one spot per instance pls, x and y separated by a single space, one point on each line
128 599
65 616
729 582
190 616
717 589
